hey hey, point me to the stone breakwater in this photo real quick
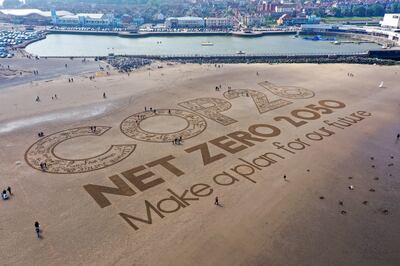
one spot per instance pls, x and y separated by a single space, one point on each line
128 63
289 60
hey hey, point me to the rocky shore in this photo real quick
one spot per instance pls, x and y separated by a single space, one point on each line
126 64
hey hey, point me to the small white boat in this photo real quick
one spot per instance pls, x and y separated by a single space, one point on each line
336 43
207 44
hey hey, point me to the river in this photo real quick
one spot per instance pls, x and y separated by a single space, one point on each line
97 45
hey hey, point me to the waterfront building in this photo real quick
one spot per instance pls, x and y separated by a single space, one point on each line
218 22
252 21
85 20
287 20
391 21
184 22
28 16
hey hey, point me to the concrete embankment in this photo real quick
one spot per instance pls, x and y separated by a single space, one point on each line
393 54
153 34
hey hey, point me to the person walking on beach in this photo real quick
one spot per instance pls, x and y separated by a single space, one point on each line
4 195
37 229
284 177
216 201
9 190
104 95
398 137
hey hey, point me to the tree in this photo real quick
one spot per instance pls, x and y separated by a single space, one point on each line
337 12
375 10
347 12
359 11
395 8
11 3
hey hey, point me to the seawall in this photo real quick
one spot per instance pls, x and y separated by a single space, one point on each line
152 34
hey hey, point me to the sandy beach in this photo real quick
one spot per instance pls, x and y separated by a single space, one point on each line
20 69
124 194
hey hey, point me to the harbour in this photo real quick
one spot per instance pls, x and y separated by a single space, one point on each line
101 45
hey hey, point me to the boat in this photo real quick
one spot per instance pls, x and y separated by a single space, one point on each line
336 43
207 44
240 52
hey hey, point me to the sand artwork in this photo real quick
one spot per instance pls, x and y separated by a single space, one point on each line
43 152
291 92
195 124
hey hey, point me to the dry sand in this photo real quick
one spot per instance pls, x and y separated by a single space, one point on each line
270 222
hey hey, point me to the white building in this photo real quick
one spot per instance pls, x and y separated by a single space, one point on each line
391 21
85 20
185 22
218 22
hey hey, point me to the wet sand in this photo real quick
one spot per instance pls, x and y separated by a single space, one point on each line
19 70
312 218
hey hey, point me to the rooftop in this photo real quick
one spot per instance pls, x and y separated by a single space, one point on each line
26 12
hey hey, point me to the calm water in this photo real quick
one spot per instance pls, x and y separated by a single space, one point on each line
90 45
